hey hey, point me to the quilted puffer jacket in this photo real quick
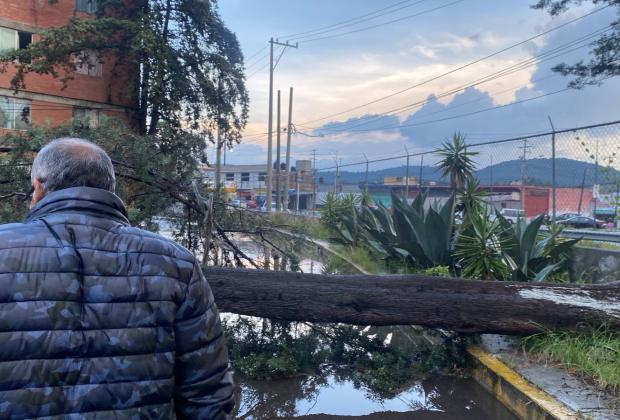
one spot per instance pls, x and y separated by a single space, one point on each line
102 320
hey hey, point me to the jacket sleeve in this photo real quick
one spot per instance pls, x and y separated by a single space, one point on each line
203 379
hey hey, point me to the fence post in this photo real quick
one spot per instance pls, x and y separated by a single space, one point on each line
407 177
553 183
421 166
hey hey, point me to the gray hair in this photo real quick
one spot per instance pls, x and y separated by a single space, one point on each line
71 162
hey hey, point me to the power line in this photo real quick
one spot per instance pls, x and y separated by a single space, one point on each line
522 65
290 36
358 21
257 53
486 143
384 23
471 63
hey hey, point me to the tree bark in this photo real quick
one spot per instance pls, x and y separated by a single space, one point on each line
467 306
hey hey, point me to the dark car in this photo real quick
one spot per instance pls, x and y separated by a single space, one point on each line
582 222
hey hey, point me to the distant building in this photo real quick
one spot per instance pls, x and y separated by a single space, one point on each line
399 180
250 181
100 85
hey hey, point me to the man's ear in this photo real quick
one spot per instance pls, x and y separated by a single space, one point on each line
37 194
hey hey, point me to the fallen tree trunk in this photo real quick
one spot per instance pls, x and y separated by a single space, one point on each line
460 305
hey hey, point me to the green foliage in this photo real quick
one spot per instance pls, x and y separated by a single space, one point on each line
456 162
531 253
183 67
471 199
594 354
153 172
270 349
479 248
410 233
496 249
438 271
604 63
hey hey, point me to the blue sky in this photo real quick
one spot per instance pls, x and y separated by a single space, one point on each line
339 73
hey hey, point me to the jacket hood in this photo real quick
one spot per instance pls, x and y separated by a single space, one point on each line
86 200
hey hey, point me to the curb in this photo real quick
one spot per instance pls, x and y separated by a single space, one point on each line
525 400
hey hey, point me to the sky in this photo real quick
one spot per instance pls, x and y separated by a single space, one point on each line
331 75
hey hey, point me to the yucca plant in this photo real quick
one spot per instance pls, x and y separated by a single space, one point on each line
456 161
479 247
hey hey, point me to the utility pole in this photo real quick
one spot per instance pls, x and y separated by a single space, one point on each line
278 172
288 147
583 185
553 180
407 177
297 189
269 181
337 175
366 176
218 152
314 192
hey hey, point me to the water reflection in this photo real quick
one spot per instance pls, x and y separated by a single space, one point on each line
335 393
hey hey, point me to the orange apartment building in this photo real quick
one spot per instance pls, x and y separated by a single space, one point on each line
99 86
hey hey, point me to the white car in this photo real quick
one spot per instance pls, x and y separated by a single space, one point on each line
512 215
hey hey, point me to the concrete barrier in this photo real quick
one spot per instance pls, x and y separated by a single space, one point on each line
595 265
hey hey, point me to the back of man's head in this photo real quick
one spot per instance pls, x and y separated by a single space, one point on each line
72 162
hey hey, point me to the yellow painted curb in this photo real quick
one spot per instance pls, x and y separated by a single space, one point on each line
499 378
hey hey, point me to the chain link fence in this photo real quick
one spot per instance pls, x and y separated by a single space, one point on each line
561 172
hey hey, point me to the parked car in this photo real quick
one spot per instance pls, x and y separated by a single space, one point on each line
582 222
251 204
566 216
512 215
264 207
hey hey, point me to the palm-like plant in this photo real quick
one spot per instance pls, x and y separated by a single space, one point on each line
471 199
456 162
479 247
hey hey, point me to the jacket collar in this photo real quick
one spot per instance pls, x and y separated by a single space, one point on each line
85 200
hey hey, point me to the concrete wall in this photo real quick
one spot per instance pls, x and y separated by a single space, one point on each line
595 265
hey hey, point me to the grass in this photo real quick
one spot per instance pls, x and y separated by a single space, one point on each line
363 258
594 355
599 244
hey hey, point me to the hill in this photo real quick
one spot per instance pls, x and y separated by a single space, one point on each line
569 173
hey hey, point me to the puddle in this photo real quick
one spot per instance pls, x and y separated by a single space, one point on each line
438 397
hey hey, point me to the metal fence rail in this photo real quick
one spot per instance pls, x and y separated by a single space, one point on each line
565 170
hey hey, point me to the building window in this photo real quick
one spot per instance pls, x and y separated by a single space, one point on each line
88 63
86 116
11 39
230 176
262 176
245 177
87 6
14 113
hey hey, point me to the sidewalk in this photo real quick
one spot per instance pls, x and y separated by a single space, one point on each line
580 397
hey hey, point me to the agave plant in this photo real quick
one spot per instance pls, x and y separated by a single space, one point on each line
419 235
532 254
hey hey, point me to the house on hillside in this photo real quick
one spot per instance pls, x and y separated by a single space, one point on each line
99 87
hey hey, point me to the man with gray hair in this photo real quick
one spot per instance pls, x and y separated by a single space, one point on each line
99 319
